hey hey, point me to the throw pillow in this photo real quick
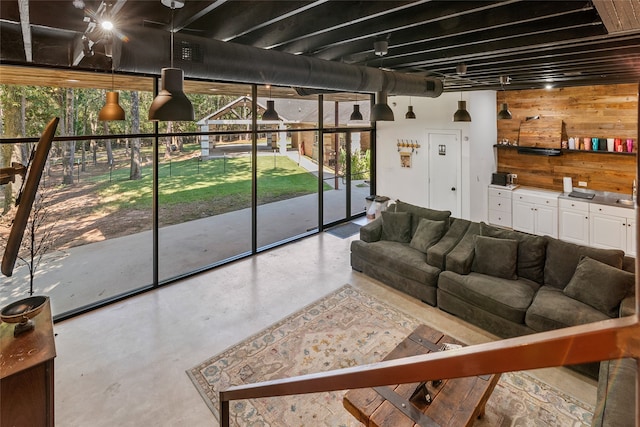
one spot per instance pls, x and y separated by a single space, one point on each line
531 251
427 234
599 285
496 257
396 226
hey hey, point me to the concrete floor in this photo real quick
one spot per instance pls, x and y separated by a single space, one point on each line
125 364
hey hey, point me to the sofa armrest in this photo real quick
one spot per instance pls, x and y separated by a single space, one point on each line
460 259
436 254
628 306
615 404
372 231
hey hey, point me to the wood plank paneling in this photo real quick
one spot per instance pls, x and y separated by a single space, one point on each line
602 171
607 111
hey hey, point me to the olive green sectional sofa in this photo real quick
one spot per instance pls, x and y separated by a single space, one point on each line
507 282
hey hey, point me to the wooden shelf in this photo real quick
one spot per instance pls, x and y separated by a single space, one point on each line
566 150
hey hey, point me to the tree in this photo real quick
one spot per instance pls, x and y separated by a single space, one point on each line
68 147
136 161
11 100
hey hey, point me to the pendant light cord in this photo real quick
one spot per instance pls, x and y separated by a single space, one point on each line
173 7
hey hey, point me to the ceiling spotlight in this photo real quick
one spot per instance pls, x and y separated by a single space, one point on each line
461 69
380 47
107 25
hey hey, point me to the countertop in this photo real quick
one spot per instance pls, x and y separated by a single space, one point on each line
602 198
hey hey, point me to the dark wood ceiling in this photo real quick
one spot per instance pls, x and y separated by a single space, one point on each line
533 43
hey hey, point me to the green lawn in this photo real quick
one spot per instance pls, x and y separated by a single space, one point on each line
191 181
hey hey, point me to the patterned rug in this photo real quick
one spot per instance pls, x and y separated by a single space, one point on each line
348 328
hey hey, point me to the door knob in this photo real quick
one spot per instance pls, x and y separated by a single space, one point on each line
453 188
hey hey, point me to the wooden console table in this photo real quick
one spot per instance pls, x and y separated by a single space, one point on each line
26 373
455 402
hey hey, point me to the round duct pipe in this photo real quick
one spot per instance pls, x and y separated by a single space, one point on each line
213 59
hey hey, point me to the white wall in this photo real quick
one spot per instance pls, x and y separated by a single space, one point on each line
478 154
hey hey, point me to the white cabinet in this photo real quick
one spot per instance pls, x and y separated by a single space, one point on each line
500 206
573 221
612 227
535 212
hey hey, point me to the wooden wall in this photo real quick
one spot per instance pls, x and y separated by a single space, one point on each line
607 111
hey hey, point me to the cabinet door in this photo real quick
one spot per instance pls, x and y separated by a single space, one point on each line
574 226
631 237
546 222
608 232
523 216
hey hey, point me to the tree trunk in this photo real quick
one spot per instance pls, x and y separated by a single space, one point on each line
68 147
168 141
136 161
107 146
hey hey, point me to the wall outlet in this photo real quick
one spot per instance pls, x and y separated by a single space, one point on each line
582 183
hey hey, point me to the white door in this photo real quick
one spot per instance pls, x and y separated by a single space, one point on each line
631 237
445 171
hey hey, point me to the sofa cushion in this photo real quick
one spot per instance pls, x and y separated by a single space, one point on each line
506 298
531 251
418 212
399 258
436 254
563 257
427 234
599 285
552 309
460 259
495 257
396 226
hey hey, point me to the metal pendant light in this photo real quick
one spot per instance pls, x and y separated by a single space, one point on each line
356 115
112 109
270 113
461 115
410 114
504 113
381 110
171 104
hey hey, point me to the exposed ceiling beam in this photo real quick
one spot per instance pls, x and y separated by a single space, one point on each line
619 16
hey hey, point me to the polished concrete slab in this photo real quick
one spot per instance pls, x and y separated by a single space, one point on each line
125 364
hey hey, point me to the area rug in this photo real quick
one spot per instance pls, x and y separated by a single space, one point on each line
347 328
344 230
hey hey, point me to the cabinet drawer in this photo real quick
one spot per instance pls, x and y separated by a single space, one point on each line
501 204
538 199
494 192
500 218
611 210
573 205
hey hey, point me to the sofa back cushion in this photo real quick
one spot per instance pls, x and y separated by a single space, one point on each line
495 257
599 285
418 212
396 226
531 251
563 257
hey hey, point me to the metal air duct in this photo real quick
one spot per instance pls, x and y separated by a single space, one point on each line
148 48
